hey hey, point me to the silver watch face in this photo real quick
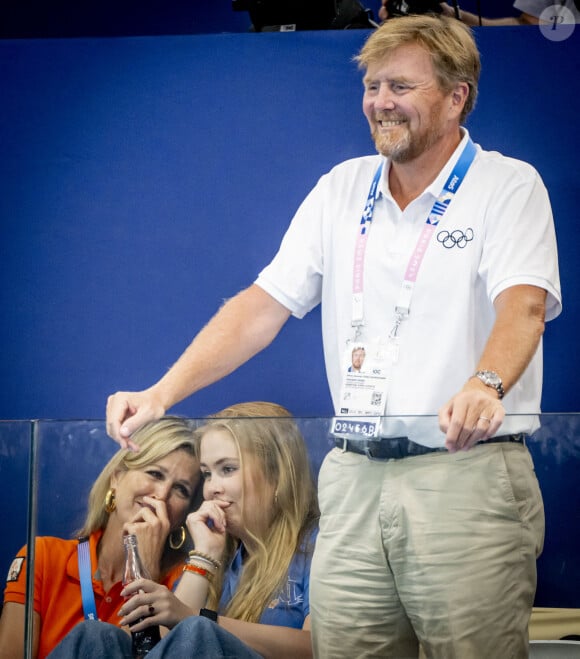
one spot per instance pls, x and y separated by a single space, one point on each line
491 378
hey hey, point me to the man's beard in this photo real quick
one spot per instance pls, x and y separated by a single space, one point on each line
397 147
402 148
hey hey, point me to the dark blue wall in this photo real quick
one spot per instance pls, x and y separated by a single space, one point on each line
144 180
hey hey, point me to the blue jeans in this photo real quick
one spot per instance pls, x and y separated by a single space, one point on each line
192 638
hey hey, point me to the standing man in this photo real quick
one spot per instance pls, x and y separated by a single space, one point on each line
451 272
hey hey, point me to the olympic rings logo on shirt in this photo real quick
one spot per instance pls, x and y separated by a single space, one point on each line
451 239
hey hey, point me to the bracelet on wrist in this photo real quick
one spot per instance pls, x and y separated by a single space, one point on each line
203 561
202 564
208 613
194 553
192 567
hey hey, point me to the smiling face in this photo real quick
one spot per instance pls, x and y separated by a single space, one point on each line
407 111
243 486
171 479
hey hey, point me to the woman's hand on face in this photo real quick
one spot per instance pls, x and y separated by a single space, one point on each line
207 527
152 604
151 526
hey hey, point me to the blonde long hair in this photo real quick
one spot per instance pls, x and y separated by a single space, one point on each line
268 441
156 440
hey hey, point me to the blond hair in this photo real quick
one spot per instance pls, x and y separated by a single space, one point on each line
268 440
156 440
449 42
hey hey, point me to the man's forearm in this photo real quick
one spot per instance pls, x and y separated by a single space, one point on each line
520 313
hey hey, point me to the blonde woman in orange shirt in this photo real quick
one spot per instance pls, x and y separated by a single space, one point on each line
147 493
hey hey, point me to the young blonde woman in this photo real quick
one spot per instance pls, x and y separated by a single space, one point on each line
148 494
244 592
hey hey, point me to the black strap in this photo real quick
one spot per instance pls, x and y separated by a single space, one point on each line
397 448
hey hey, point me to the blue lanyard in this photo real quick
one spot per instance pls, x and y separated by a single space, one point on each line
453 182
84 556
434 217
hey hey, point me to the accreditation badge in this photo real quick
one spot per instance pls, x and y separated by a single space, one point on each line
363 395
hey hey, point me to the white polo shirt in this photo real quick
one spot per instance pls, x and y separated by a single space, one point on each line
497 232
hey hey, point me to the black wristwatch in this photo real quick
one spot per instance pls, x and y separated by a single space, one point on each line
208 613
491 379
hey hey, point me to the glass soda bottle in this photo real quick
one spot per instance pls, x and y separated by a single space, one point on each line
142 642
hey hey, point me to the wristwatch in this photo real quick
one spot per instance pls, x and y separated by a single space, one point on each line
208 613
491 379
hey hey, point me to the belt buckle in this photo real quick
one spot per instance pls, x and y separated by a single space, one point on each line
344 448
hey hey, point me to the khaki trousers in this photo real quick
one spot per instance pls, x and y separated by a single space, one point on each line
439 549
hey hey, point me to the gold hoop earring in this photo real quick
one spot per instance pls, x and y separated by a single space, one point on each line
110 503
181 542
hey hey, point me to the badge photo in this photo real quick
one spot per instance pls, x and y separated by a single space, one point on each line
15 569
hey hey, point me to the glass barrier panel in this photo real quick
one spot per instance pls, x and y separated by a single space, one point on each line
48 467
16 443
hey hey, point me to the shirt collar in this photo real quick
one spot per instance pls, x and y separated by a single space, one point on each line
434 188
